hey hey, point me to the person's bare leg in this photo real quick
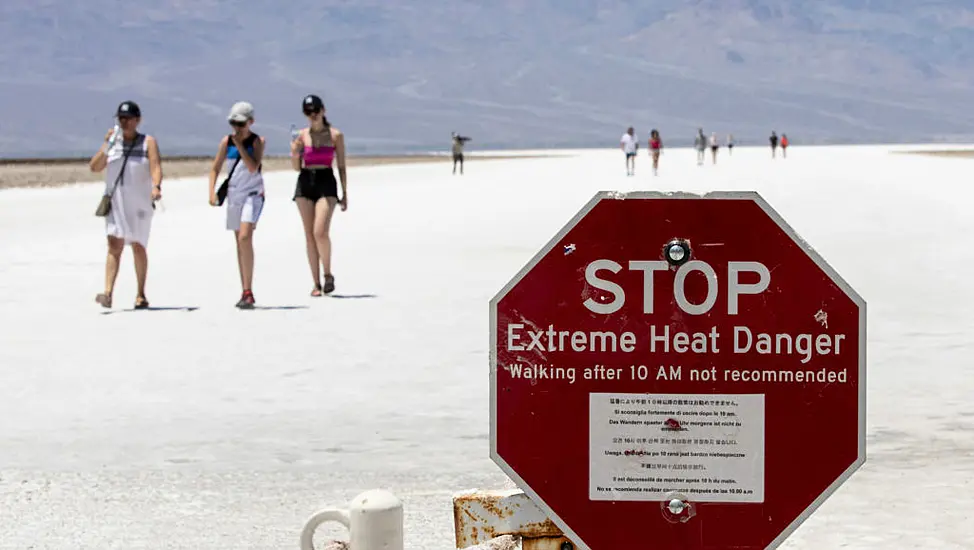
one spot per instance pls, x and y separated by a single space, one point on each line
307 210
323 213
245 254
141 258
240 269
112 261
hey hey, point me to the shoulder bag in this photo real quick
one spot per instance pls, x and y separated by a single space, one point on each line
105 206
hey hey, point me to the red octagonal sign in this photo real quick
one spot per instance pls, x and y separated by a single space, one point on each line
678 372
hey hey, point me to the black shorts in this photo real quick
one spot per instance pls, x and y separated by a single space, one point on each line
713 148
316 183
457 157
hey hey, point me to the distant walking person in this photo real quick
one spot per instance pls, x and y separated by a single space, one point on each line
730 144
244 190
316 193
655 146
784 145
714 146
133 182
458 143
629 144
774 143
700 144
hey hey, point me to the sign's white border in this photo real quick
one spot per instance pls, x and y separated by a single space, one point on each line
655 195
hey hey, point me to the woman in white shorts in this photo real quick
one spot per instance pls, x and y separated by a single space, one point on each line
133 181
245 190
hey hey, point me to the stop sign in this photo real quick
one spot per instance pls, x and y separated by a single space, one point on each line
678 372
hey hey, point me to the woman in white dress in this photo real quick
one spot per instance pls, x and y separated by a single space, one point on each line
133 180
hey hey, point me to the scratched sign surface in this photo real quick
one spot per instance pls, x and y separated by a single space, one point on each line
730 379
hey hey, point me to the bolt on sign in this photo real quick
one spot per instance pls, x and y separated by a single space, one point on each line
676 371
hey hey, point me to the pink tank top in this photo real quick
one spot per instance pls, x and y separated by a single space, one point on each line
322 155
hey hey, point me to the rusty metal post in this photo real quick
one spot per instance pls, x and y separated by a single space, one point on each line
480 516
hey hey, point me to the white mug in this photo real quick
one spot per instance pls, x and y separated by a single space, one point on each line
373 519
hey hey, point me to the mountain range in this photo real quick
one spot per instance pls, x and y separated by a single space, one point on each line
399 77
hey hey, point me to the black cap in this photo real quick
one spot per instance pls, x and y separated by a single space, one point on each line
312 102
128 108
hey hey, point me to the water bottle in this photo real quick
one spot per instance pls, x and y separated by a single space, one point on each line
114 136
294 133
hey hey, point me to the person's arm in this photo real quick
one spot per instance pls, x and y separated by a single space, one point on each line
99 161
252 163
155 162
339 139
221 155
297 151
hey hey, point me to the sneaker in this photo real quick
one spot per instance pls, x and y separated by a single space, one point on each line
246 300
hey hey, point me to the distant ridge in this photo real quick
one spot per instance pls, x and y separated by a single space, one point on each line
175 158
671 142
397 78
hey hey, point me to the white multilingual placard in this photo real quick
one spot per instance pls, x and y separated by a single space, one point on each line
708 447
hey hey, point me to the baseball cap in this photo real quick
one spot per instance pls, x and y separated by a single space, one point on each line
128 108
241 112
312 102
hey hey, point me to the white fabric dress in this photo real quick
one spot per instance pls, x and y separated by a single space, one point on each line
131 215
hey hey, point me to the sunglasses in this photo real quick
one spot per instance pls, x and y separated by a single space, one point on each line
311 112
237 124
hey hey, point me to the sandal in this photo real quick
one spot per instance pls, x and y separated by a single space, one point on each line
141 303
329 284
316 291
105 299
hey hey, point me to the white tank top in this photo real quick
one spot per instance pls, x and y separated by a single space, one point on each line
242 181
137 177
